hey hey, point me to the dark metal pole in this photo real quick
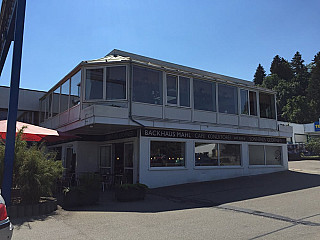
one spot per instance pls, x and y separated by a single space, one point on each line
13 103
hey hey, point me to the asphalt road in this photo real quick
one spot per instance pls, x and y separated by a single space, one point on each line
274 206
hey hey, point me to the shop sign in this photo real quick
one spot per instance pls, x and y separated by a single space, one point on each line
164 133
316 127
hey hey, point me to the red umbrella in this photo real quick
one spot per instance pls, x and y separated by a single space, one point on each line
33 133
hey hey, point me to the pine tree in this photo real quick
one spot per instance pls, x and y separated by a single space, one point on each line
259 75
282 68
313 91
301 74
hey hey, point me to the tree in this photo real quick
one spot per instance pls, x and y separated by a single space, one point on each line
282 68
296 110
301 74
271 81
259 75
313 91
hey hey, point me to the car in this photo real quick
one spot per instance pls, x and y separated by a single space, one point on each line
6 227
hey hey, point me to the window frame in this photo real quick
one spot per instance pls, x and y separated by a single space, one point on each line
237 106
178 90
104 84
265 165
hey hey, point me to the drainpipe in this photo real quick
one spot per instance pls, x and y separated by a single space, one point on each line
130 97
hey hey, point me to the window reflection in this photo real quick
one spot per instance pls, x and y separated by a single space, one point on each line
184 91
116 82
229 154
244 102
94 84
75 89
228 99
253 103
204 95
267 106
167 154
206 154
172 89
147 85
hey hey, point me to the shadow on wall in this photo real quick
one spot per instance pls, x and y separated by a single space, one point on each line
208 194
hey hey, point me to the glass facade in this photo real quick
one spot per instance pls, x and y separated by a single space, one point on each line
172 89
267 106
253 103
244 107
228 99
204 93
116 82
147 85
265 155
206 154
230 154
167 154
94 84
75 89
184 91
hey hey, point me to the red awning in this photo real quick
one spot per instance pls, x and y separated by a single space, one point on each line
34 133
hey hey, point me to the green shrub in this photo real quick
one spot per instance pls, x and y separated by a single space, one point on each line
313 146
35 170
132 186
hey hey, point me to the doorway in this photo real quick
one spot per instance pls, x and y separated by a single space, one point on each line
116 160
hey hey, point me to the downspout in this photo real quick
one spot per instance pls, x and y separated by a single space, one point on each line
130 96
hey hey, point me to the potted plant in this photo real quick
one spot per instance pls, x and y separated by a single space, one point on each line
130 192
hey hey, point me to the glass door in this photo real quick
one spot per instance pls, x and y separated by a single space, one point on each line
128 162
105 160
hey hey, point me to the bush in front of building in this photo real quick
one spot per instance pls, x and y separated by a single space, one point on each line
313 146
35 170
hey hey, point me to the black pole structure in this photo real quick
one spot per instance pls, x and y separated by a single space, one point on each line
13 102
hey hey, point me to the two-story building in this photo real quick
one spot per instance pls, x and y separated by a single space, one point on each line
158 123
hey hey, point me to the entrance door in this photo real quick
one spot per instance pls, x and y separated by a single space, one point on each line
128 162
105 160
70 161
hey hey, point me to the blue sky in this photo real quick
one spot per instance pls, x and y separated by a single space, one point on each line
226 37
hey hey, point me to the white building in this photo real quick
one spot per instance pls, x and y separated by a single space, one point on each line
158 123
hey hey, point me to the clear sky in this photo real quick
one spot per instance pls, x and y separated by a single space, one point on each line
228 37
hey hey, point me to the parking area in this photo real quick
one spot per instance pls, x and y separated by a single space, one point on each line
281 205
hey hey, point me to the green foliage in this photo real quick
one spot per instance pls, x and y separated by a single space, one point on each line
259 75
313 146
35 170
297 86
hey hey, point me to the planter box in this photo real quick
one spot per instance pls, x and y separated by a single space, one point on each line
131 194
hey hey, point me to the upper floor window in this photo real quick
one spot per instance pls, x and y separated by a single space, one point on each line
147 85
116 82
178 90
228 99
64 97
267 106
204 95
253 103
94 84
75 89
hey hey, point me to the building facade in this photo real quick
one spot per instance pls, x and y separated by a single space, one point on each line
144 120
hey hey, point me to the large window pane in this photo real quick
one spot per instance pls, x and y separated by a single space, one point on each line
204 95
105 159
256 155
253 103
230 154
172 89
244 102
75 89
184 91
228 99
273 155
147 85
64 97
94 84
167 154
206 154
116 82
56 102
267 107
